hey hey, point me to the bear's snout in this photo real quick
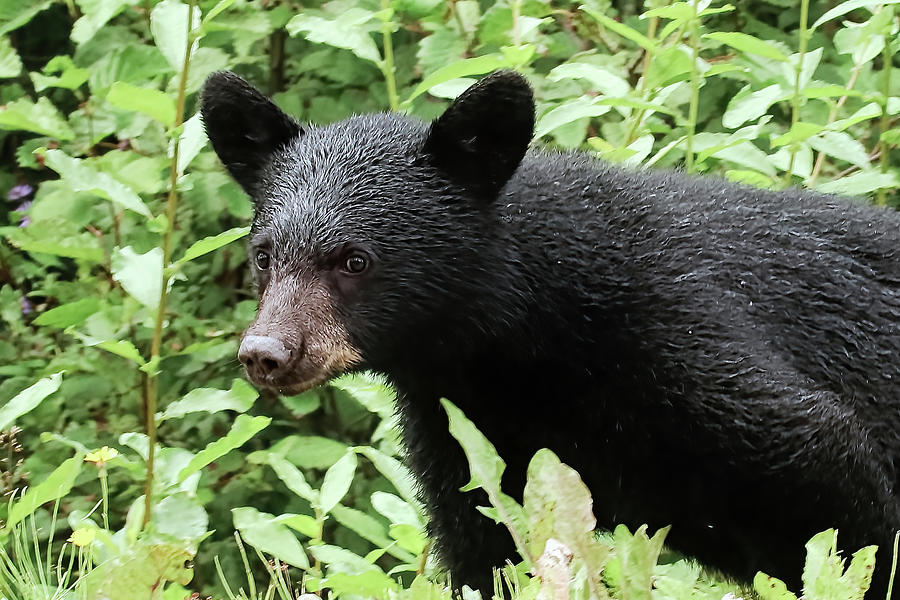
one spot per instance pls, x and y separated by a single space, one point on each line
265 358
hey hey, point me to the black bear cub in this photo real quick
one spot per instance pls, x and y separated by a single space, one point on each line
715 357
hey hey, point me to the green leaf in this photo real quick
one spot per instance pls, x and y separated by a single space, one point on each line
16 13
394 471
396 510
193 139
211 243
600 78
347 31
848 6
57 485
95 14
81 177
140 274
28 399
337 482
460 68
244 428
68 247
567 112
842 146
69 77
149 101
623 30
860 183
239 398
38 117
770 588
268 534
123 348
292 477
72 313
749 106
181 516
668 66
867 112
800 131
168 24
748 44
10 63
891 136
369 528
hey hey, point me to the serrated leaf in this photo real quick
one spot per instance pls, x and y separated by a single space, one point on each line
337 481
193 139
57 485
368 528
623 30
748 43
462 68
770 588
842 146
394 471
244 428
39 117
292 477
140 274
346 31
266 533
239 398
181 516
81 177
68 314
28 399
848 6
860 184
149 101
168 24
749 106
10 63
867 112
668 66
211 243
600 79
567 112
123 348
799 132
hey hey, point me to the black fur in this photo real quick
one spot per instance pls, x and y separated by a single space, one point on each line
716 357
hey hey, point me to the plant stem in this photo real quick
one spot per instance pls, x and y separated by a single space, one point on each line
820 158
516 11
648 56
151 381
387 64
795 99
887 61
695 91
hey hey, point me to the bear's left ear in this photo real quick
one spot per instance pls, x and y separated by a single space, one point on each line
481 139
244 126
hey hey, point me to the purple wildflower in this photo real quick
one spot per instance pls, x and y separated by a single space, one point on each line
27 306
18 192
25 220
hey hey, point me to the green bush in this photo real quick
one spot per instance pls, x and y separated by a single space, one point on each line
123 292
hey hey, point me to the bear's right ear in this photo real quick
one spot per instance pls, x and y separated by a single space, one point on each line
244 126
481 139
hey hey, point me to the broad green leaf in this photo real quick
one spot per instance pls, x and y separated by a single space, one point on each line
28 399
749 106
668 66
244 428
567 112
304 524
394 471
10 64
81 177
347 31
149 101
292 477
268 534
748 43
860 183
842 146
368 528
372 583
181 516
624 30
678 11
600 78
335 555
60 72
337 481
168 24
57 485
16 13
650 107
123 348
239 398
770 588
72 313
849 6
310 451
220 6
396 510
193 138
799 132
38 117
461 68
140 274
211 243
95 14
869 111
891 136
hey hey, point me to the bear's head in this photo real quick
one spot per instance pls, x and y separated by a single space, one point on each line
376 235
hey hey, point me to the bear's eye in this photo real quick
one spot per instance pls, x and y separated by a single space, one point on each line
356 263
262 260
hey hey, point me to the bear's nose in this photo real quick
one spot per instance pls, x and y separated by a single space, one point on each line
263 357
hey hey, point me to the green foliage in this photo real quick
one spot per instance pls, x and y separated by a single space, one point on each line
123 292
